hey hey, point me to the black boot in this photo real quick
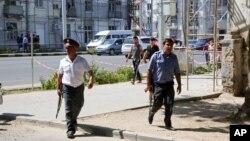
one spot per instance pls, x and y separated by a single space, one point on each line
150 117
168 125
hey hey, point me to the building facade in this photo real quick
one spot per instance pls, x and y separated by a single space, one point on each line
201 17
44 18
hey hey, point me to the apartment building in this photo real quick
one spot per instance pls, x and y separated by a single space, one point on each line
146 16
44 18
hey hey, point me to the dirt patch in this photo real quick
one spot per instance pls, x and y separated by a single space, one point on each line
204 120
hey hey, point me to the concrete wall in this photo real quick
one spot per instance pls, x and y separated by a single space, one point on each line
235 52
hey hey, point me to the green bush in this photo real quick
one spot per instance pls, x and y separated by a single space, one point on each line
102 76
51 83
201 70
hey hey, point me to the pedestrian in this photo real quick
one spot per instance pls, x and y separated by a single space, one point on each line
163 66
19 41
206 50
151 49
136 55
71 85
25 43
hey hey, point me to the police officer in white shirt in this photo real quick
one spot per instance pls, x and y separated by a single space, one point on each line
71 85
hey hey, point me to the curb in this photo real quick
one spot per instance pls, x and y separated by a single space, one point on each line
110 132
37 54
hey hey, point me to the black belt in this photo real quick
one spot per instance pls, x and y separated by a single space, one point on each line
170 83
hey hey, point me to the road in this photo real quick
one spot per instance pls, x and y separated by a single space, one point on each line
18 70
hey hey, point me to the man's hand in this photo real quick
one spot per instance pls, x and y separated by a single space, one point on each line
59 92
148 88
90 85
179 89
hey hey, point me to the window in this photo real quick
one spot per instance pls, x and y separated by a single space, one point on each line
88 5
111 5
39 3
149 6
112 27
68 30
87 33
11 31
10 2
115 36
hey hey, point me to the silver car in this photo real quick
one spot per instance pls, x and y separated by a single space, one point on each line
111 47
144 41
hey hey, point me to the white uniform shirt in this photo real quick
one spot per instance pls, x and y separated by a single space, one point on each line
73 71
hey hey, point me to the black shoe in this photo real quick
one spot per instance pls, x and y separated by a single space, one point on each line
169 127
70 135
150 117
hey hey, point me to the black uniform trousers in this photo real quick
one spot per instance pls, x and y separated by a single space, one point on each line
74 100
164 94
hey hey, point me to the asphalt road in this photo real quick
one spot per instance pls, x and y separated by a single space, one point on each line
18 70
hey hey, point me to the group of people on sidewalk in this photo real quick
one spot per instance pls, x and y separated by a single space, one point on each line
162 67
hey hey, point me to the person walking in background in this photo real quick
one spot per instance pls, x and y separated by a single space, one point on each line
19 41
163 66
70 83
206 50
136 54
25 43
151 49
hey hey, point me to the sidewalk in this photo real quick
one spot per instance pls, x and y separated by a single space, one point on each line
40 107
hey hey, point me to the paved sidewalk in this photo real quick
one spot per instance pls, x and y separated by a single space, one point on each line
40 107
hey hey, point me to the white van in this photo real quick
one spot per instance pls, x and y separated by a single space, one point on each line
102 36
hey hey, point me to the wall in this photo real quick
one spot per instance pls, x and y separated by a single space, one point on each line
235 52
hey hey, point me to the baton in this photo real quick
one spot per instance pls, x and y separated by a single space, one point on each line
59 105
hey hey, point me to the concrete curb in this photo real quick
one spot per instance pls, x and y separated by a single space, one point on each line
109 132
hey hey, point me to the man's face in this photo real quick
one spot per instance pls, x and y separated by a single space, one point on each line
167 48
71 50
152 42
135 41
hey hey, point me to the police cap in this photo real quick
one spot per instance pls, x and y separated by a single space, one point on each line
70 42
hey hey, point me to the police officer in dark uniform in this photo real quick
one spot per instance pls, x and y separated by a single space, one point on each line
71 85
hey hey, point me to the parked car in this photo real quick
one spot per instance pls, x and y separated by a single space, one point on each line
199 45
144 41
191 43
111 47
177 43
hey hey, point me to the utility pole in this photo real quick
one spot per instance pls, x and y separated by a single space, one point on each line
27 16
161 28
215 41
64 21
186 33
151 31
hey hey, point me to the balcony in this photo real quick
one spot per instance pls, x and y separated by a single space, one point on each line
115 14
12 11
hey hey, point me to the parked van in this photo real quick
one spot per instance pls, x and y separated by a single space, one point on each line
102 36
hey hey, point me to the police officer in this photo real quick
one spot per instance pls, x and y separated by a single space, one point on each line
71 85
163 66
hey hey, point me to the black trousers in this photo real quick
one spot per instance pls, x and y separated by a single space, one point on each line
74 100
136 73
164 94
